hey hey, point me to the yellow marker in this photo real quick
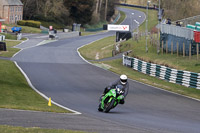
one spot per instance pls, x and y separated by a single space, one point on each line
49 104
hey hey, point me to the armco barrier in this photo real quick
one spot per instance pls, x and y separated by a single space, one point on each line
137 6
185 78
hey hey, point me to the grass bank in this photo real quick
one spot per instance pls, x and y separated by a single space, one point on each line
138 50
11 129
152 18
117 67
10 50
173 61
121 19
99 49
25 29
15 91
17 94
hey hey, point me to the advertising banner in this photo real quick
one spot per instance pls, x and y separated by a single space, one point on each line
112 27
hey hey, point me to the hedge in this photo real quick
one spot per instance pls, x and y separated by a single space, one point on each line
30 23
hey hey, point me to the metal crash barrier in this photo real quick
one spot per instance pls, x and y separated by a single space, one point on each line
185 78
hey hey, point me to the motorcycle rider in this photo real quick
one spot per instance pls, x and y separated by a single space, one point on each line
121 81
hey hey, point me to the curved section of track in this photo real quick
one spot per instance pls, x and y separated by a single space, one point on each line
57 71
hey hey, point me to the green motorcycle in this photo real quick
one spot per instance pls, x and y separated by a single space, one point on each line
111 99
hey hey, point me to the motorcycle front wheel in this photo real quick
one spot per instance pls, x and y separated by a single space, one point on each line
108 106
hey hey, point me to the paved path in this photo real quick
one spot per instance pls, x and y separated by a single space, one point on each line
4 58
62 121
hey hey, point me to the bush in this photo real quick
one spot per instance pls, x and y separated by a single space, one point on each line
30 23
55 25
21 22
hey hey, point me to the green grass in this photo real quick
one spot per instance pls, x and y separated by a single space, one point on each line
117 67
27 29
12 129
9 36
122 17
180 62
55 25
138 50
87 33
152 18
10 50
102 49
17 94
95 26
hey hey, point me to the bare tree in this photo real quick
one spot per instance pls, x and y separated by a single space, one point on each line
106 9
97 7
100 4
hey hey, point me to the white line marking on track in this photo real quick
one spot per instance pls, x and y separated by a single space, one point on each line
44 96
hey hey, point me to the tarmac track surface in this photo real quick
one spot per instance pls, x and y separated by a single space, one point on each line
57 71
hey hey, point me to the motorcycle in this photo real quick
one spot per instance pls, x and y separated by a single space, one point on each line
111 99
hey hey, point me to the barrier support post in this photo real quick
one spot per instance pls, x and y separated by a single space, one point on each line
172 48
183 49
166 47
190 51
177 48
197 51
162 46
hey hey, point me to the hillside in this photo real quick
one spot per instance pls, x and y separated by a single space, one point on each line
69 11
174 9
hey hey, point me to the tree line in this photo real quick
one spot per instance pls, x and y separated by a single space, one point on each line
173 9
69 11
180 9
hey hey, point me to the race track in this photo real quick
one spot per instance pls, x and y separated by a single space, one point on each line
57 70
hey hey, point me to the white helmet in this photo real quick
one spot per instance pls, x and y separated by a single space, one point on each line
123 79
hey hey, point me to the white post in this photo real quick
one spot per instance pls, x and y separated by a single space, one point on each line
147 25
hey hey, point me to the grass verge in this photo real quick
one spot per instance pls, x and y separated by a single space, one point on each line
122 17
10 50
172 61
15 91
17 94
117 67
99 49
182 63
152 18
9 36
27 29
12 129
